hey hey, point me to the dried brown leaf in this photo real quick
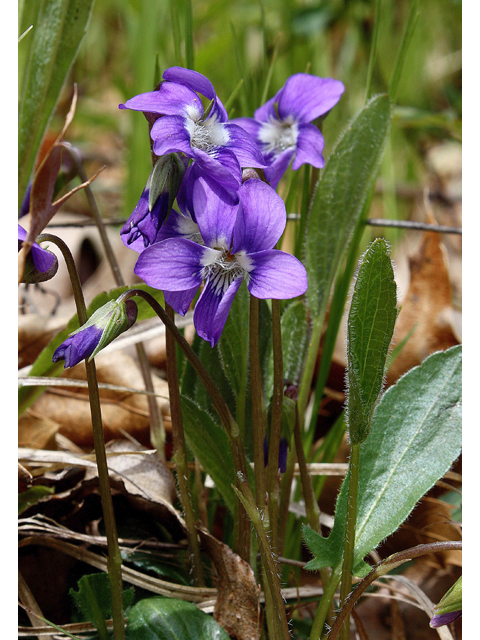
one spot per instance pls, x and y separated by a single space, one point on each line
42 209
36 431
25 479
427 308
237 608
121 412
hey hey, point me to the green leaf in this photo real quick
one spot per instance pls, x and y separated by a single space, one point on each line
339 197
43 365
33 495
93 599
415 437
58 32
233 343
169 619
209 443
370 329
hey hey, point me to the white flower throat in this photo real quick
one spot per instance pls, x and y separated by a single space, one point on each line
207 134
221 268
278 135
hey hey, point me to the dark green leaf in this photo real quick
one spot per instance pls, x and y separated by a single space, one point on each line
58 32
415 437
170 619
339 197
370 329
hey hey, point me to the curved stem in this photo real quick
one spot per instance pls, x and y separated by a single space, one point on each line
258 412
114 560
384 567
157 426
72 273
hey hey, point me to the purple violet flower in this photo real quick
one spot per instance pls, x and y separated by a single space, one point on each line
144 224
78 346
218 147
282 125
237 243
103 326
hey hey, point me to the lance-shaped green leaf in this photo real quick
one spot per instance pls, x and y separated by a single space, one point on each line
339 198
169 619
370 329
415 436
58 32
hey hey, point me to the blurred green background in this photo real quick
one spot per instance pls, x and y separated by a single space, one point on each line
129 43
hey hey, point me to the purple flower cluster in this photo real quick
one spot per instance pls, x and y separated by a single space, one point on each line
225 231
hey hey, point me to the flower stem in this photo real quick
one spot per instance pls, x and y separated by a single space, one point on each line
325 604
157 428
180 453
258 409
349 544
229 424
277 611
275 424
311 504
114 559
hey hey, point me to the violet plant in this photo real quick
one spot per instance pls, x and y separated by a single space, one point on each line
210 229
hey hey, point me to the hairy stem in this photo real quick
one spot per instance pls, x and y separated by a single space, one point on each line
277 613
349 544
384 567
325 604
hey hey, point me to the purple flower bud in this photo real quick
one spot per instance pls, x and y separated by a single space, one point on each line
40 264
101 328
439 620
449 608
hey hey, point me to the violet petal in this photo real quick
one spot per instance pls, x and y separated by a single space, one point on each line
307 97
276 274
171 265
261 220
212 309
